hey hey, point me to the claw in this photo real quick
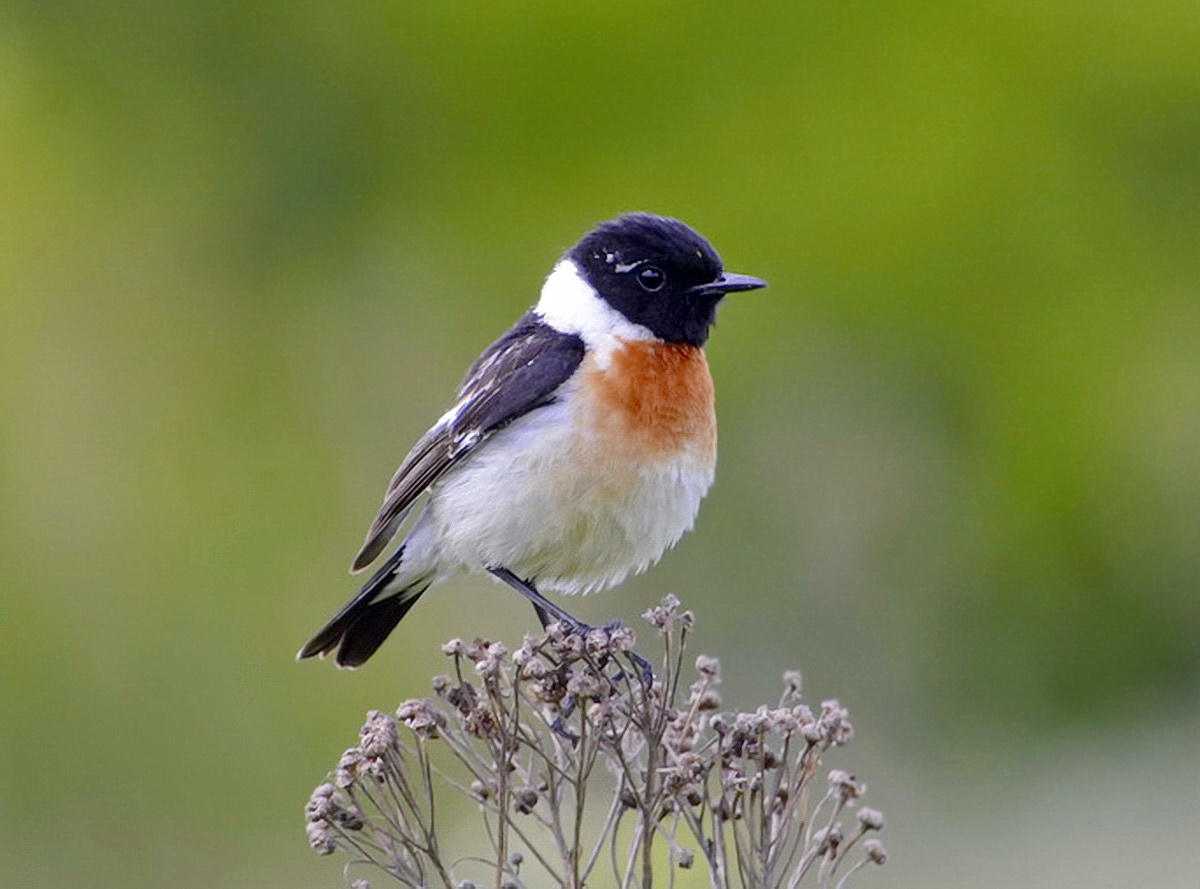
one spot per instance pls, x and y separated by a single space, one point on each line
645 666
559 726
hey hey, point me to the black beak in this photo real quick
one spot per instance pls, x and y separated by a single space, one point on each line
727 282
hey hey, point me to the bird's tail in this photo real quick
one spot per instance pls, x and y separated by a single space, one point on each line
366 620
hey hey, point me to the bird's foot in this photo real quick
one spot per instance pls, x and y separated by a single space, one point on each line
559 725
645 670
644 667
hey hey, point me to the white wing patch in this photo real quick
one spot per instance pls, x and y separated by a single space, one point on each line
448 418
465 441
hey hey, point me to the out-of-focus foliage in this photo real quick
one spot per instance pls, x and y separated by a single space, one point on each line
246 250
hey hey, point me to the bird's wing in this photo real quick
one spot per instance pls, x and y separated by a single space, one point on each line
518 373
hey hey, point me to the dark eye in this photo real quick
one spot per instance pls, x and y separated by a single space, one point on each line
652 278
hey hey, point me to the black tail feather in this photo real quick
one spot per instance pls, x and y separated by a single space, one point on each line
361 638
361 625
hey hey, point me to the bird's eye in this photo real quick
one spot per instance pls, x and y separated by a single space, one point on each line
652 279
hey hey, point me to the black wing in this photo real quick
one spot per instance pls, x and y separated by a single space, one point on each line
517 374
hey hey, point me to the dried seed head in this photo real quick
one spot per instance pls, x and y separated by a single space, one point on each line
783 722
876 853
487 656
487 668
546 691
535 669
621 639
421 716
779 803
600 714
870 819
463 697
792 683
572 647
844 784
348 767
454 648
834 724
662 614
803 715
708 666
586 684
320 803
528 650
378 735
734 780
482 723
349 819
827 840
525 799
684 857
320 837
596 641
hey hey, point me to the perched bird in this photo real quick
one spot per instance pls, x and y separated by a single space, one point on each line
579 446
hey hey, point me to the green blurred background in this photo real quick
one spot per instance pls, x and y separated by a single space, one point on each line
247 250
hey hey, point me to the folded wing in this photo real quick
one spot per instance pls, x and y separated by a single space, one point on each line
518 373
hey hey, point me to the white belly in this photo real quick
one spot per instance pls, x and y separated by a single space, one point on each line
571 512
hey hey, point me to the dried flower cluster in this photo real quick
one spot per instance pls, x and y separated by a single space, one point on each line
585 775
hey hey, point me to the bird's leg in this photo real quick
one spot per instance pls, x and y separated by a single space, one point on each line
546 609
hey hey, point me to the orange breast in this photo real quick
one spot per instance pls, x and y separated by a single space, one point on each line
656 398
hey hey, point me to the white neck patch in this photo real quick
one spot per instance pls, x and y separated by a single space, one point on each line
570 305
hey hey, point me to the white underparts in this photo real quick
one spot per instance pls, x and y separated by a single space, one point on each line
550 498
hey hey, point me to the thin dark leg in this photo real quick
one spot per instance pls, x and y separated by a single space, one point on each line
646 668
544 607
545 610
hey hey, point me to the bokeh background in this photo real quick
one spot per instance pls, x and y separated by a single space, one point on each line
248 248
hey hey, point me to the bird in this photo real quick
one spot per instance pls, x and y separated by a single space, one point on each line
579 445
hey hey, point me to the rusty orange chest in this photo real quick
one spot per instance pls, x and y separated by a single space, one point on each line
654 398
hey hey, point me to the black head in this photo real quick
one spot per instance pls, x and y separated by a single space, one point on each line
658 272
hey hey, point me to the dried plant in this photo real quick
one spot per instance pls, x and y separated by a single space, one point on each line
584 773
